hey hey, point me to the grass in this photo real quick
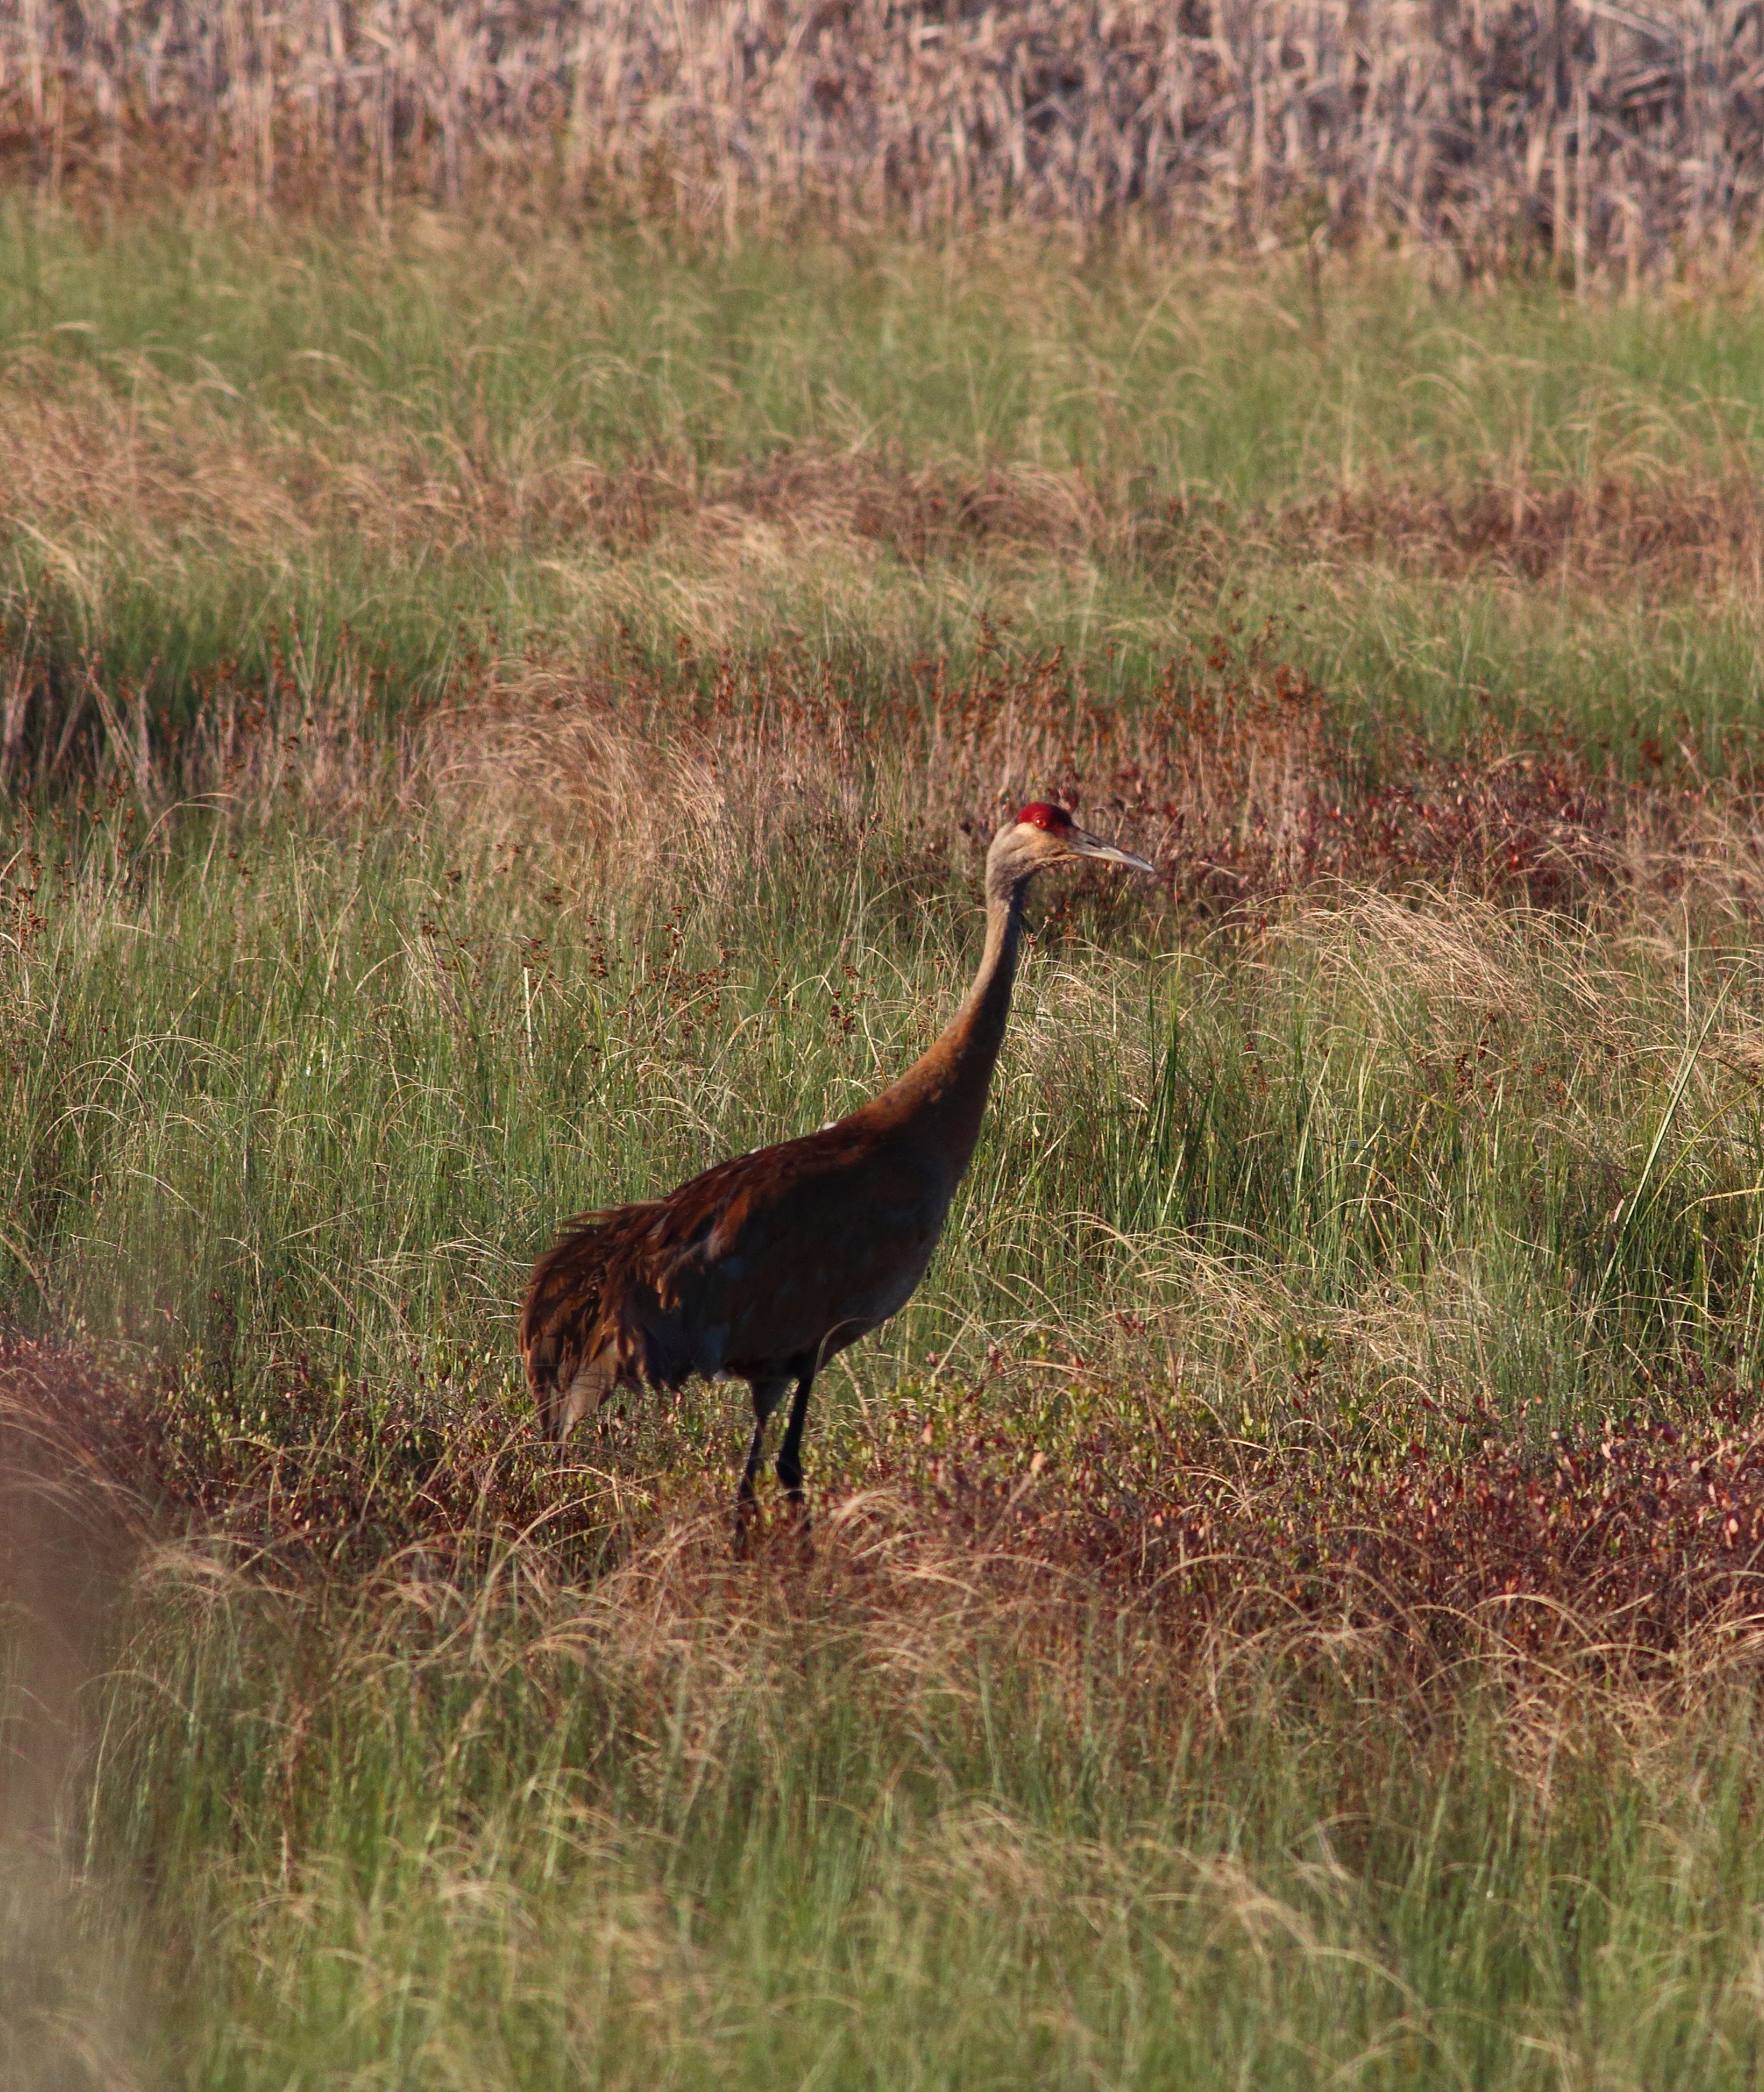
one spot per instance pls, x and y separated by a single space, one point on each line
664 1835
458 440
491 727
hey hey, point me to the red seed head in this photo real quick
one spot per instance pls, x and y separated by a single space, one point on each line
1055 820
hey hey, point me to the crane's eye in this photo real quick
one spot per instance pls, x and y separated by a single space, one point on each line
1052 820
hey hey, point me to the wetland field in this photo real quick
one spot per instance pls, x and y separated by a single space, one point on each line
494 718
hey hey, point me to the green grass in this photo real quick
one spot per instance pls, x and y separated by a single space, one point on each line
308 1090
525 1841
453 433
315 1018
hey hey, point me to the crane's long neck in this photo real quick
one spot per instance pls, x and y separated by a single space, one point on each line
942 1097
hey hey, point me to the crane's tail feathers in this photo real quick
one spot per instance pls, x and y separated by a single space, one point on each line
593 1381
578 1335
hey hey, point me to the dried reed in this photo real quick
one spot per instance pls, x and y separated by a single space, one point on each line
1613 140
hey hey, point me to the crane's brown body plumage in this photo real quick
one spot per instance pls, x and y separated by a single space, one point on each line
767 1265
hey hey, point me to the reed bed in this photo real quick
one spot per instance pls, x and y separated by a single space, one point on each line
1614 142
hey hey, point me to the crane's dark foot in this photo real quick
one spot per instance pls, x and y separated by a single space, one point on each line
795 1512
797 1529
789 1534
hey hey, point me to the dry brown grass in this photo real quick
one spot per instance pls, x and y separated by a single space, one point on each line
1618 535
1236 774
1622 534
1633 1540
1645 1534
1617 139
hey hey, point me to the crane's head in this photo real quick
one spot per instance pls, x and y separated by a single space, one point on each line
1041 836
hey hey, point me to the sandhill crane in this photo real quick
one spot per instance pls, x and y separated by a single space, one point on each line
766 1266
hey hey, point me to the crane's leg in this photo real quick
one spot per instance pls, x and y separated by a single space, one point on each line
790 1452
766 1394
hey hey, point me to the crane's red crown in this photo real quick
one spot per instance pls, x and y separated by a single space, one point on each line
1055 820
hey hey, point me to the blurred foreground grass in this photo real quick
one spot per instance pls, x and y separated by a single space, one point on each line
870 1827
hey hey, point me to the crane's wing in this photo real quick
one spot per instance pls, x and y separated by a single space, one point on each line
791 1253
794 1251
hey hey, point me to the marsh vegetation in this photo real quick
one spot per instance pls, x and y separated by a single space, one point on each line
493 721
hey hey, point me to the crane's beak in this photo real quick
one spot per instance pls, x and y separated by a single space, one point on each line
1085 845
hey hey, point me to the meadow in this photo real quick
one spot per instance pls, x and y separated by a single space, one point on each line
494 718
